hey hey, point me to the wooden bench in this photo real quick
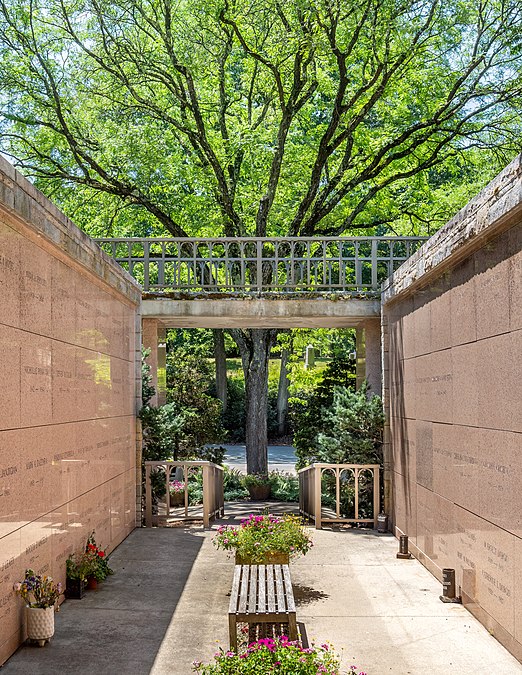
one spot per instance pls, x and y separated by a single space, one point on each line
261 594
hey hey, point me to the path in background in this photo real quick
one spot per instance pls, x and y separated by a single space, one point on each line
280 458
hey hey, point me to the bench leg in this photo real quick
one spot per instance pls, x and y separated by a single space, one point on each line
232 629
292 626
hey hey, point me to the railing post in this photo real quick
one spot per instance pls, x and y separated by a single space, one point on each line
317 497
167 487
373 263
259 249
146 263
148 497
206 496
376 495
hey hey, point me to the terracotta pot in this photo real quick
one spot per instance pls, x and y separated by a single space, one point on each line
274 558
40 624
259 492
92 583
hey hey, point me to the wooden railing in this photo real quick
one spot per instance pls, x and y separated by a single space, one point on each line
213 495
343 476
251 265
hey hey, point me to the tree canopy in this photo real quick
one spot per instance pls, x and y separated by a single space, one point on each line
258 117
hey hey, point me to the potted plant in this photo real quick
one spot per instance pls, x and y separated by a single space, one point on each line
97 563
40 594
274 655
258 485
77 568
266 539
177 492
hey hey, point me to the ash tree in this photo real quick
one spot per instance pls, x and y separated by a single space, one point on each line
256 117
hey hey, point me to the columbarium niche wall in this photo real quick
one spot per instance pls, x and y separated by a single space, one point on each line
69 345
453 371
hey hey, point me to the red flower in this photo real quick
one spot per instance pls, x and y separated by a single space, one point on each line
101 554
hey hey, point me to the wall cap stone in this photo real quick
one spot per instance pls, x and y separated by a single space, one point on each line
496 208
19 197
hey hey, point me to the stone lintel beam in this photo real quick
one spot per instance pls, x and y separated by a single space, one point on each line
261 312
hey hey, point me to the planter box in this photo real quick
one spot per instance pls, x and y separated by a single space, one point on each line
269 559
259 492
74 589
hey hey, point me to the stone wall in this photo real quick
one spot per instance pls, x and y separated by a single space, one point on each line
69 345
452 321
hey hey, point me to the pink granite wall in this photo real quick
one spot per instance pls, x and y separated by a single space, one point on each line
68 341
453 340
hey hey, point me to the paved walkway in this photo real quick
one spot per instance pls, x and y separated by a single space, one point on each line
167 605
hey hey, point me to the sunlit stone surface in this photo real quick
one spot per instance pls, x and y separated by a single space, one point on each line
68 397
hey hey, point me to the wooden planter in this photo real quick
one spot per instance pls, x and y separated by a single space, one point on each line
74 589
269 559
177 499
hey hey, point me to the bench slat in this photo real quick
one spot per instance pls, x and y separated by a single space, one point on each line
281 604
235 590
270 586
252 591
243 596
262 589
288 589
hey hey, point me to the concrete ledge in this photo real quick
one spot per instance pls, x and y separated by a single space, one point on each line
497 208
260 312
28 207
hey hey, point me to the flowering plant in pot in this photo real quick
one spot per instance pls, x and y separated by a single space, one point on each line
40 595
258 485
274 655
177 492
77 567
98 563
264 539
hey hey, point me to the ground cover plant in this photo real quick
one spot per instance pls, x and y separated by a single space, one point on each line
275 656
260 535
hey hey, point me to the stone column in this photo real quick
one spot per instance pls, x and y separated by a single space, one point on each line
373 366
154 338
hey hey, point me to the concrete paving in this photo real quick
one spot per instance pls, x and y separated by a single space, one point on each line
167 605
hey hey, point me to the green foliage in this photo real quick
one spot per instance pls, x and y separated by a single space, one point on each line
147 390
233 484
285 487
258 536
268 655
308 411
208 120
353 429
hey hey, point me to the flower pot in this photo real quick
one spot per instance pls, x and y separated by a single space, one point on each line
177 498
275 558
92 584
259 492
40 624
74 589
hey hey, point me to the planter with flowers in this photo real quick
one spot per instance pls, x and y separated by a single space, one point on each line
258 485
177 493
98 563
40 595
77 567
279 655
267 539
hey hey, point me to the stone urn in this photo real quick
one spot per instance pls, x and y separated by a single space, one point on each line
40 624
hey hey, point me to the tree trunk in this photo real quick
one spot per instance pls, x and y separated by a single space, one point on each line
220 359
254 346
282 393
